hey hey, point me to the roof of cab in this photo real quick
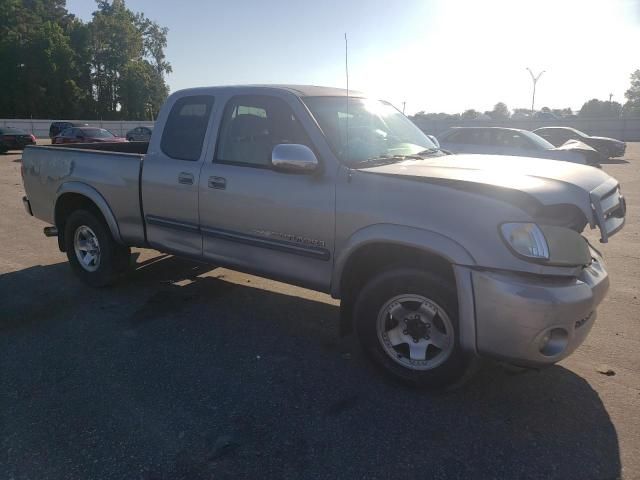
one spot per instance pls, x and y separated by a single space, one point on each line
299 90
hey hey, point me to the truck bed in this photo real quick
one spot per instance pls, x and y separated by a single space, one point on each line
121 147
112 169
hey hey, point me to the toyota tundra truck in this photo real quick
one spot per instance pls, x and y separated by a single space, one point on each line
436 258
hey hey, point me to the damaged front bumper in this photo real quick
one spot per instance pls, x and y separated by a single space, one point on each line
533 320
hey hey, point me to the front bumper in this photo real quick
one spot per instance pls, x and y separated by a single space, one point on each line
618 150
515 314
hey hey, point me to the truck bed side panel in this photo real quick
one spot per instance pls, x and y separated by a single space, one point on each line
113 175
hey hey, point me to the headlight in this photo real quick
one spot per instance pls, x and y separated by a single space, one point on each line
526 239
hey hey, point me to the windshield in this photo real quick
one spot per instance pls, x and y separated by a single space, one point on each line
537 139
97 133
579 132
366 129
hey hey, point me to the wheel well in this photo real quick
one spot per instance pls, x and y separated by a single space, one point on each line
65 206
369 260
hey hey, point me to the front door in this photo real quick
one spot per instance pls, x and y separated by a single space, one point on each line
252 217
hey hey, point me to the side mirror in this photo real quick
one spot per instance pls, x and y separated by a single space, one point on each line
434 140
293 158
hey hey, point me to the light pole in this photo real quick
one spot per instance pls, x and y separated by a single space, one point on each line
535 79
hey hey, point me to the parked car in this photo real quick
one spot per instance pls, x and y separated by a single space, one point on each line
545 116
15 139
607 147
58 127
513 141
139 134
435 258
86 135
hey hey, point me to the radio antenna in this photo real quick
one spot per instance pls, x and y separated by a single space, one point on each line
346 71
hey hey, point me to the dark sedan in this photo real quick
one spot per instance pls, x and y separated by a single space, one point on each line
86 135
513 142
607 147
14 139
58 127
140 134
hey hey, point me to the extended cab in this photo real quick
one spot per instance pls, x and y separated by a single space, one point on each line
436 258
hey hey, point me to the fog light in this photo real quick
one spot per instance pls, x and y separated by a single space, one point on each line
553 342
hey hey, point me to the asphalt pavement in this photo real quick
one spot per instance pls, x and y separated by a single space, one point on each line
187 371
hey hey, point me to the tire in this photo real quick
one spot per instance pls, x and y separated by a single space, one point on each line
428 315
86 228
129 139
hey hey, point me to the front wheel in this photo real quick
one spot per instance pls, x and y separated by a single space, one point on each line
92 252
407 322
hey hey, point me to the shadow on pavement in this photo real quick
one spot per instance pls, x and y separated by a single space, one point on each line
175 375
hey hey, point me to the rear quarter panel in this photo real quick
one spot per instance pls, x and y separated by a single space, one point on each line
49 170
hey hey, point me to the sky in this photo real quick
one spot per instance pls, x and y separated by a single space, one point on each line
437 56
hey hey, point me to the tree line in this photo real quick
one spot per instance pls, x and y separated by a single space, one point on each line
590 109
53 65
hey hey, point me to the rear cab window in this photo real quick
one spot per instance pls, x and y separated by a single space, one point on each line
186 126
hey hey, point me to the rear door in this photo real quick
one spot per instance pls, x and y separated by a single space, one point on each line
171 173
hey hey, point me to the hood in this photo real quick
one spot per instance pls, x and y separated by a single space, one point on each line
549 182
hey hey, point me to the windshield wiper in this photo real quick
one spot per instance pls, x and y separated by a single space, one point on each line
379 160
428 151
387 159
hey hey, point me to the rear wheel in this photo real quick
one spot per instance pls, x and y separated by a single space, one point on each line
406 321
92 252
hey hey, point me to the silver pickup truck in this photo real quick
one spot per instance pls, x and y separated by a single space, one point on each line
436 258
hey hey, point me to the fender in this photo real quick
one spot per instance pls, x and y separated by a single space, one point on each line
419 238
95 196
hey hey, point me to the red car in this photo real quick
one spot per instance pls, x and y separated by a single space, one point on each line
86 135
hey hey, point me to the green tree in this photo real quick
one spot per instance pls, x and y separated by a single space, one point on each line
128 62
54 65
632 105
600 108
34 55
500 112
470 114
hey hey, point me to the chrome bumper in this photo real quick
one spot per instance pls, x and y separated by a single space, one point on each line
530 320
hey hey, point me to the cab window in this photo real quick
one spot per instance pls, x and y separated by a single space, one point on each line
252 125
186 126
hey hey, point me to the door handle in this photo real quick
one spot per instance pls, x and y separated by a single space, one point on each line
185 178
218 182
